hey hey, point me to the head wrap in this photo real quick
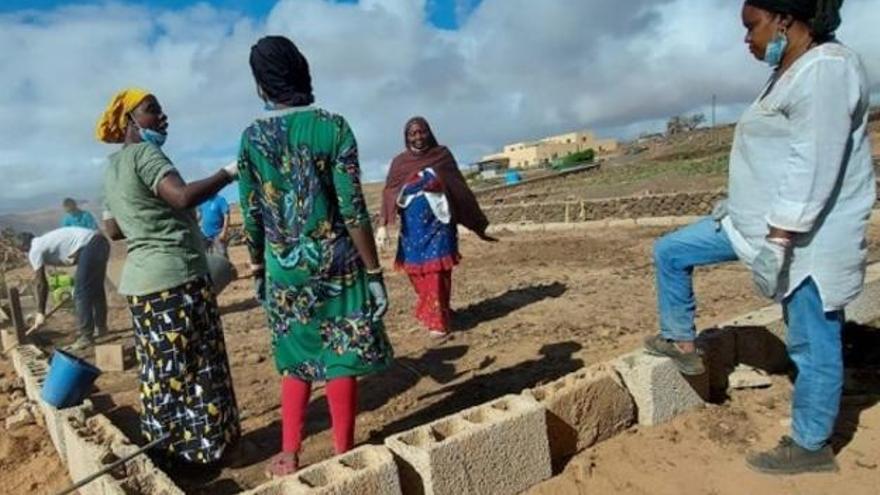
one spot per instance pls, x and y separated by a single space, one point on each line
464 205
432 141
282 71
112 124
822 16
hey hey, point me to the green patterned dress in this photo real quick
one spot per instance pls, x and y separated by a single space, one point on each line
299 183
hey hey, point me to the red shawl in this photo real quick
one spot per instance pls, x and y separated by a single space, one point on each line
465 209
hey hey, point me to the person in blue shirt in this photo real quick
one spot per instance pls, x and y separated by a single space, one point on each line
74 217
214 220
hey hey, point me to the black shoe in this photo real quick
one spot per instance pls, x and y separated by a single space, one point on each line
790 458
688 363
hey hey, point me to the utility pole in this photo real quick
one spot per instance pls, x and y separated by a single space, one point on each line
714 102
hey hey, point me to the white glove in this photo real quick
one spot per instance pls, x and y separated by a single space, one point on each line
767 268
719 211
232 170
38 320
382 238
378 295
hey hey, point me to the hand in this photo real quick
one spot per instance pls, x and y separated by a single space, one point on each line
38 320
382 238
224 236
719 211
378 296
486 237
767 267
232 170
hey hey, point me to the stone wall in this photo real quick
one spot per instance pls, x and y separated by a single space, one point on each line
663 205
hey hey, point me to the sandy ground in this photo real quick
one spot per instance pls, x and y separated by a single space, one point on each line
703 452
529 309
28 461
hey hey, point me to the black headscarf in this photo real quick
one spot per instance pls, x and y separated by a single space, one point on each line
282 71
822 16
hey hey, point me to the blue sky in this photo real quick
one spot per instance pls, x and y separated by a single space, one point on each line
441 13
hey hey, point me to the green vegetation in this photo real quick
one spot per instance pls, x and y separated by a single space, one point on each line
715 165
574 159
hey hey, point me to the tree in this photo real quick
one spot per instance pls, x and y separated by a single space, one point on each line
683 123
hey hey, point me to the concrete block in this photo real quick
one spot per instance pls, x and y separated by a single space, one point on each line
497 448
584 408
54 419
659 390
114 357
768 316
368 470
95 443
32 367
866 308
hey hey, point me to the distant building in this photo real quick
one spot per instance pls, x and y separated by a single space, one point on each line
490 169
542 152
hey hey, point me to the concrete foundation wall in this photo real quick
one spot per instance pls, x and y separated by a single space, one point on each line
498 448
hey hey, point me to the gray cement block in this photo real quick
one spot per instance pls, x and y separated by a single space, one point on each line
54 419
498 448
866 308
584 408
368 470
32 366
95 443
659 390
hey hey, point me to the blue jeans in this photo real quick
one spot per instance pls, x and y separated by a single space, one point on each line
89 296
814 336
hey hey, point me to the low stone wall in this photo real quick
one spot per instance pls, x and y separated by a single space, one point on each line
661 205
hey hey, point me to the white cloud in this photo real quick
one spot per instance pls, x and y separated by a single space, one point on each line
516 69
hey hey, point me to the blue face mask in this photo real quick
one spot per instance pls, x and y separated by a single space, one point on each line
776 50
151 136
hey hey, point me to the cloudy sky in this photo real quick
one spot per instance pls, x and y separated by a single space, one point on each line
484 72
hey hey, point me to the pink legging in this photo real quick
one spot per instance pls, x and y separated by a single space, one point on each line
342 397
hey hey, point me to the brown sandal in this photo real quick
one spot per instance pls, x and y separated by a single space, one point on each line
283 464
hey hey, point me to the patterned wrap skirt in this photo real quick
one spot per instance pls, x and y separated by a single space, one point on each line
185 384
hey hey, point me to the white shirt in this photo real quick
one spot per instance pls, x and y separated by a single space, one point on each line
59 247
801 161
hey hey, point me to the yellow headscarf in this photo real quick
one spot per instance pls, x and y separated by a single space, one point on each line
112 124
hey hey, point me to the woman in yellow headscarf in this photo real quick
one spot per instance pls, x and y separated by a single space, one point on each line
186 387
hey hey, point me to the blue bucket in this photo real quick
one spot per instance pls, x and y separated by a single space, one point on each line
69 380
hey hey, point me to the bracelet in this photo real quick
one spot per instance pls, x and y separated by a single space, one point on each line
375 271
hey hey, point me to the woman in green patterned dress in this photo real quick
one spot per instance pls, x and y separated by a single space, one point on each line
310 240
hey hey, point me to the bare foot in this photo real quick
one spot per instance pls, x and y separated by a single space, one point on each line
283 464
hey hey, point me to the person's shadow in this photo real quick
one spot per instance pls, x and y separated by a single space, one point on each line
505 304
861 389
555 361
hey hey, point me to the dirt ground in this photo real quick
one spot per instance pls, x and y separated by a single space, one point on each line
28 461
530 309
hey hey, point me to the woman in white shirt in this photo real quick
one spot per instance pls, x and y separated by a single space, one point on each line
800 194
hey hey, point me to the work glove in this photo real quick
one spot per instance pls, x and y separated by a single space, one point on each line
38 320
232 170
719 211
378 295
768 265
382 238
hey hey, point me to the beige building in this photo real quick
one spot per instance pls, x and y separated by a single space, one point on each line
543 152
